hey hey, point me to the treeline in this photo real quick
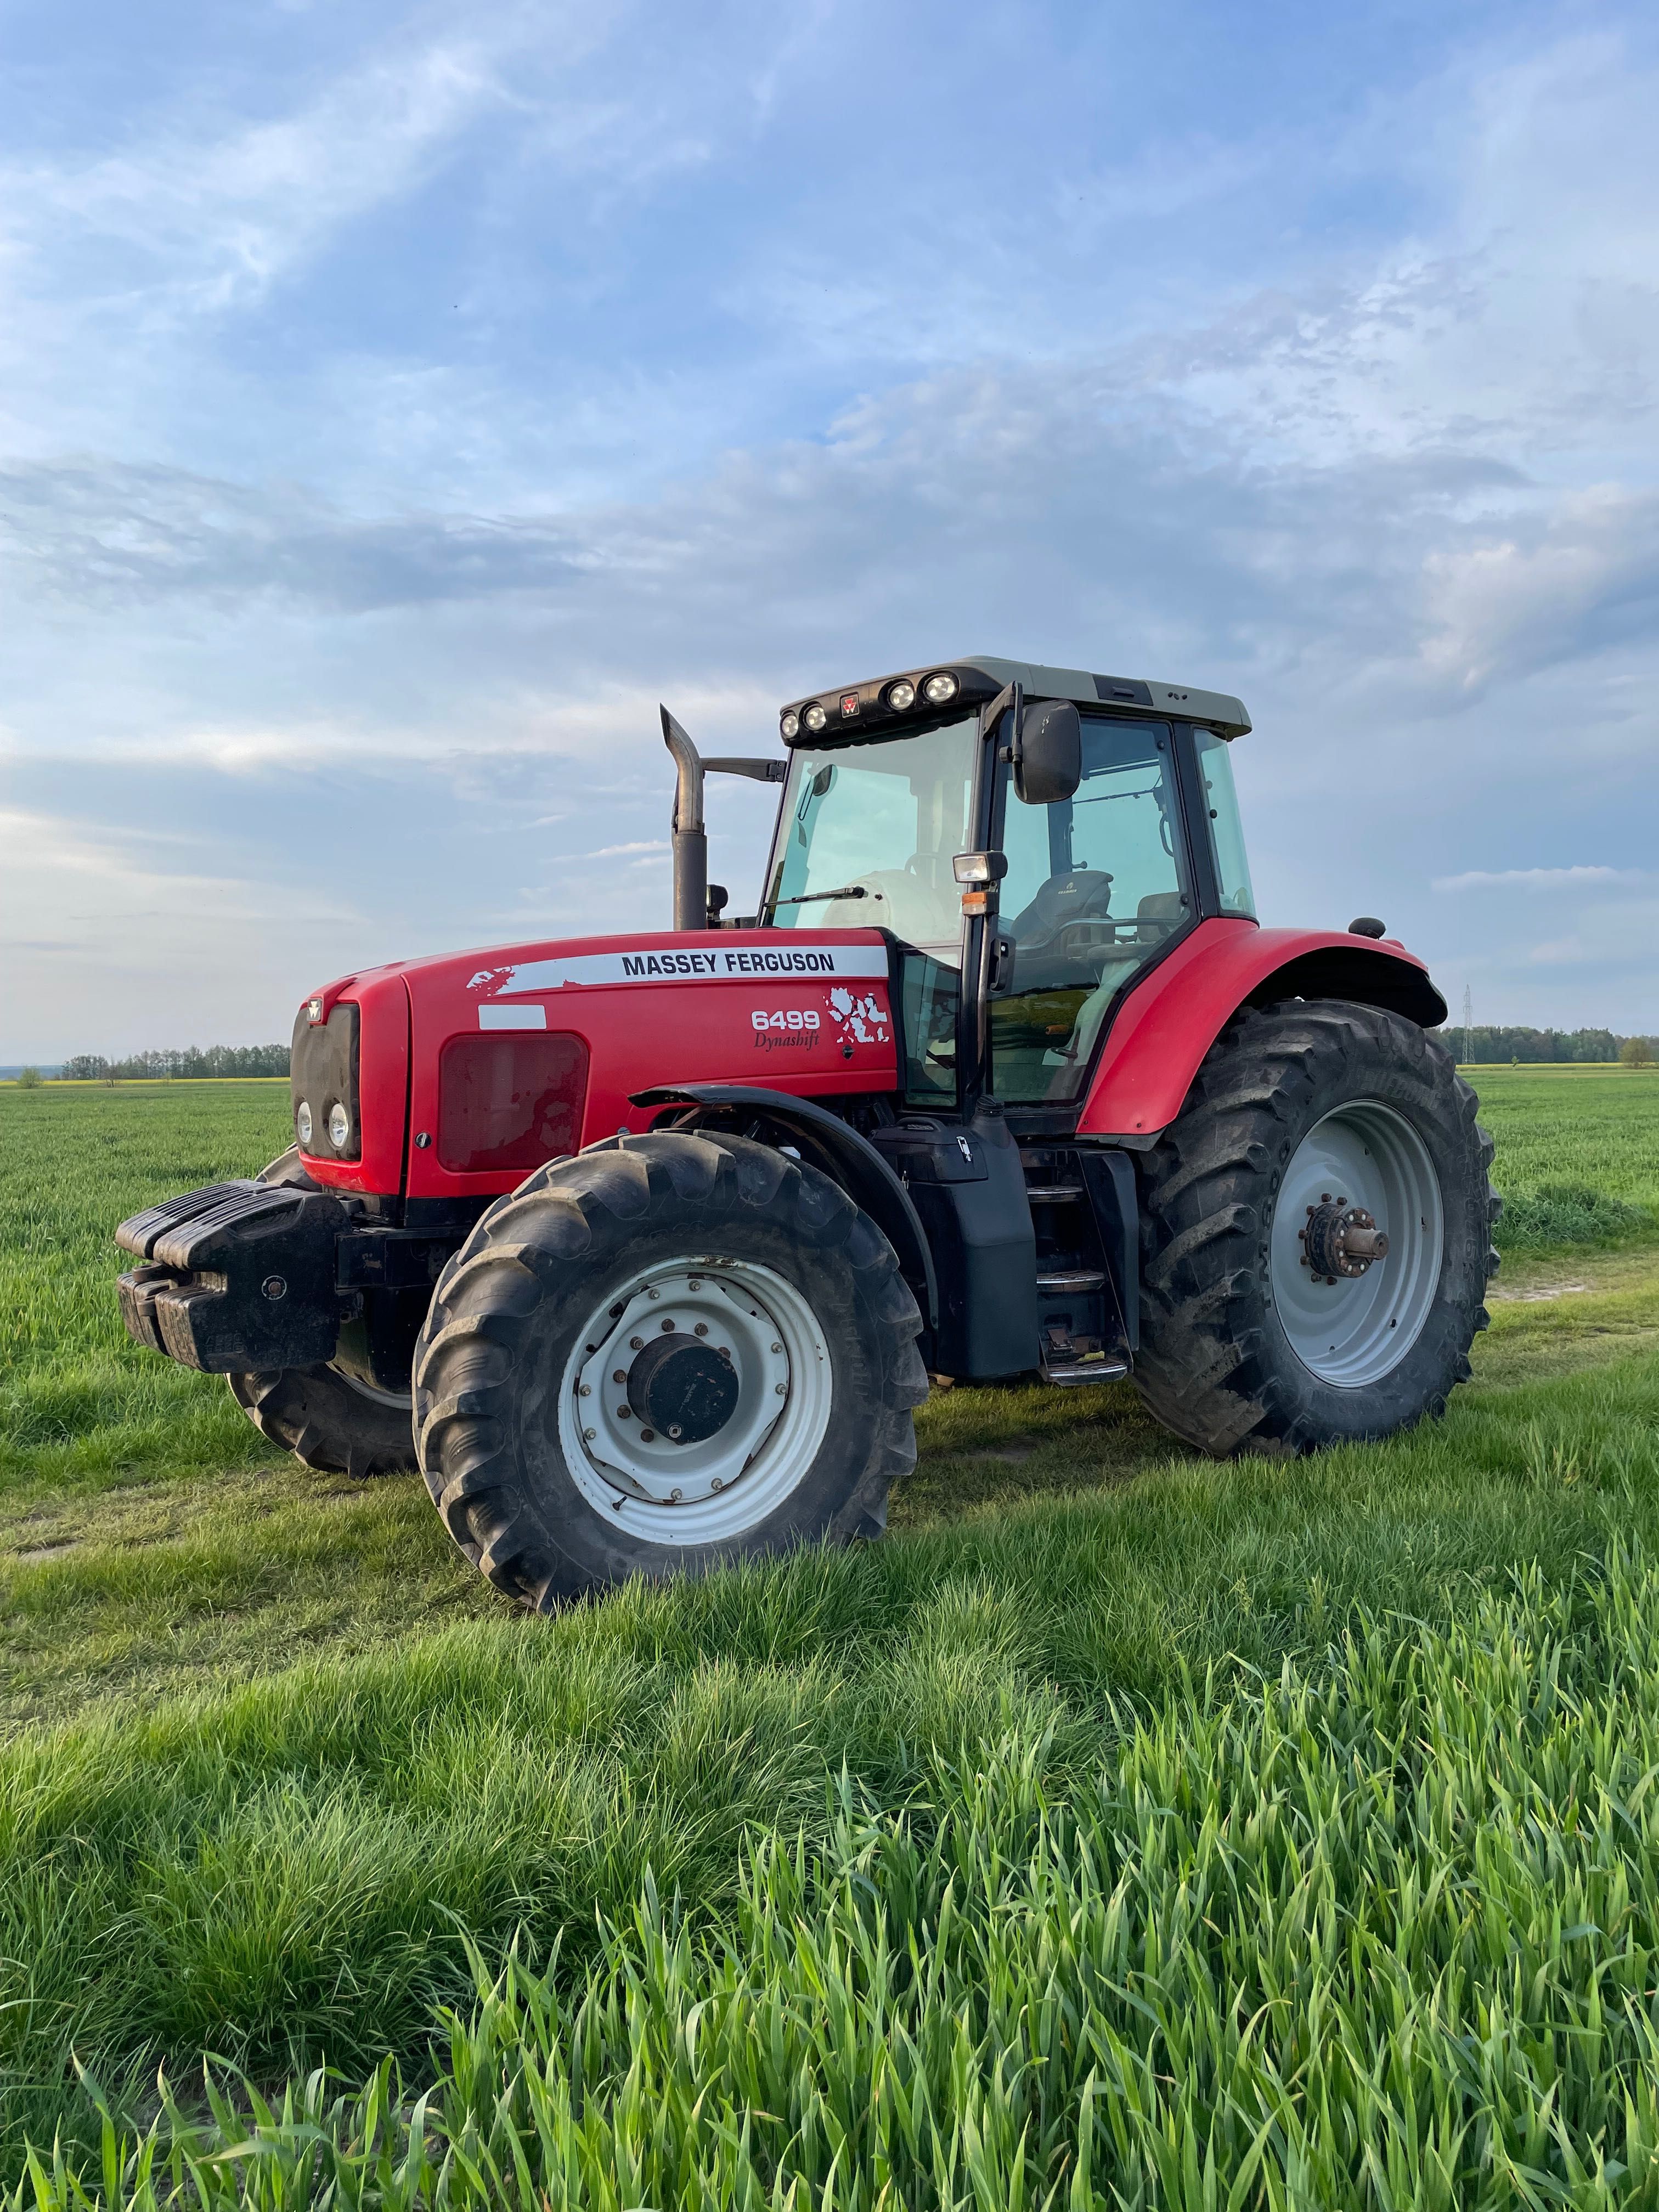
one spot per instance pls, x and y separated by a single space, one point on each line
1489 1042
193 1060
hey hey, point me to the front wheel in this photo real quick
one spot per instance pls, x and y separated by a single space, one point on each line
1317 1234
670 1351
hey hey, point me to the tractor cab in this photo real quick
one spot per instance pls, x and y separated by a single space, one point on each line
1035 839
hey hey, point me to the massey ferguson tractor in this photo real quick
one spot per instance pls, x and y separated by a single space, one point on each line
643 1248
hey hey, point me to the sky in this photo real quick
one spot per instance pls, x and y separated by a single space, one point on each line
397 402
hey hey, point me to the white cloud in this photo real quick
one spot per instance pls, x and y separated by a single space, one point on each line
1535 880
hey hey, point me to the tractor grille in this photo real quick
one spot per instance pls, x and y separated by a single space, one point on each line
324 1074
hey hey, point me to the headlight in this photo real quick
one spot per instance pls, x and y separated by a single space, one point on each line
940 691
302 1123
902 696
815 717
790 725
339 1125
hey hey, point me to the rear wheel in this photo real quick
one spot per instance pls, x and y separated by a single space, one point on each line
332 1420
1317 1234
669 1352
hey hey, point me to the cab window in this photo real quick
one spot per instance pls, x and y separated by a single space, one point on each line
1097 885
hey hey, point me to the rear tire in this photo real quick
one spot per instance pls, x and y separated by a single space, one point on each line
540 1461
1245 1348
324 1417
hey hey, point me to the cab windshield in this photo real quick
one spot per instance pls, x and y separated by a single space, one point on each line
869 834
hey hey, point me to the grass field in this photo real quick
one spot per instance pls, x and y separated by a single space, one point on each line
1285 1824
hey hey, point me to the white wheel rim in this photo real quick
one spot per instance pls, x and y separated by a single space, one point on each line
1355 1332
687 1493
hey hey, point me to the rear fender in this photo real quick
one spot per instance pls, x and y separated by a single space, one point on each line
1169 1021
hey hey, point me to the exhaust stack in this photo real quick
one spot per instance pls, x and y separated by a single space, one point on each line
690 840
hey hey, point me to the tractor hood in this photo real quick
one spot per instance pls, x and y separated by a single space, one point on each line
506 1058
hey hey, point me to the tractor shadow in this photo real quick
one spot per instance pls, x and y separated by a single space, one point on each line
987 1444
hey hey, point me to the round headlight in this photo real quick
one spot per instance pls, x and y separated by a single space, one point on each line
940 691
815 717
902 696
339 1125
302 1123
790 725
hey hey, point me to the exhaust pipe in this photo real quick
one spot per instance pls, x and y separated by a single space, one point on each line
690 840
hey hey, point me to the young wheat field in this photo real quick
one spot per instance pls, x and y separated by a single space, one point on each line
1126 1830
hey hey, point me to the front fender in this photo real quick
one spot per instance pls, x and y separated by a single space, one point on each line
1170 1020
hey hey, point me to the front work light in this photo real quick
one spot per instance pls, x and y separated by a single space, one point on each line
302 1123
815 717
339 1125
979 868
902 696
940 691
790 725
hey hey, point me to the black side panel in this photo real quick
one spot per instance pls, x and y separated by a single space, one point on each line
968 1184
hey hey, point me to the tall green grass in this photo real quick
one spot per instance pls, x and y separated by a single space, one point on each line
1380 1930
290 1871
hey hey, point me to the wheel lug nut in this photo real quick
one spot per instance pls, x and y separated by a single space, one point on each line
777 1347
619 1375
624 1412
703 1328
589 1434
654 1294
668 1325
782 1390
717 1484
648 1436
586 1393
637 1344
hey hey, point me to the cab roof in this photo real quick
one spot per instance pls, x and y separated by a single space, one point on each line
860 712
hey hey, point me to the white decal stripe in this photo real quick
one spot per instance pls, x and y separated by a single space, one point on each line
752 963
512 1018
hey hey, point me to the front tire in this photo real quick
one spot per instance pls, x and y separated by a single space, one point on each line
667 1353
1299 1112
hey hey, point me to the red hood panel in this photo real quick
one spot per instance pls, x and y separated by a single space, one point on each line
802 1011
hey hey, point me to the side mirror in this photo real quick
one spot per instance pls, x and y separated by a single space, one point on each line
1048 753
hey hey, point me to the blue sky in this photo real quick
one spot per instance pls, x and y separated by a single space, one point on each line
396 403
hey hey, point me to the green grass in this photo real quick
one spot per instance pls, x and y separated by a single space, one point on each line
275 1754
1577 1153
1382 1930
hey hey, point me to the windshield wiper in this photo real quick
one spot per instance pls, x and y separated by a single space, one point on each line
810 899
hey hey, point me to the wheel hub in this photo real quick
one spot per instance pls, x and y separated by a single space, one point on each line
1340 1240
682 1387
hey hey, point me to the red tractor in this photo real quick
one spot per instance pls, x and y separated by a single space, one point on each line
643 1248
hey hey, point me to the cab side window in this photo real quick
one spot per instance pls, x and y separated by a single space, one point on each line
1096 884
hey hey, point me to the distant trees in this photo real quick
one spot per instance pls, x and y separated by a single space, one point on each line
1488 1043
1636 1052
28 1079
191 1061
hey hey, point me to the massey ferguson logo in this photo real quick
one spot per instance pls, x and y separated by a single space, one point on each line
860 1016
849 703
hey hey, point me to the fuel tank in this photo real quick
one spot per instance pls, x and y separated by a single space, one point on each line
457 1075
